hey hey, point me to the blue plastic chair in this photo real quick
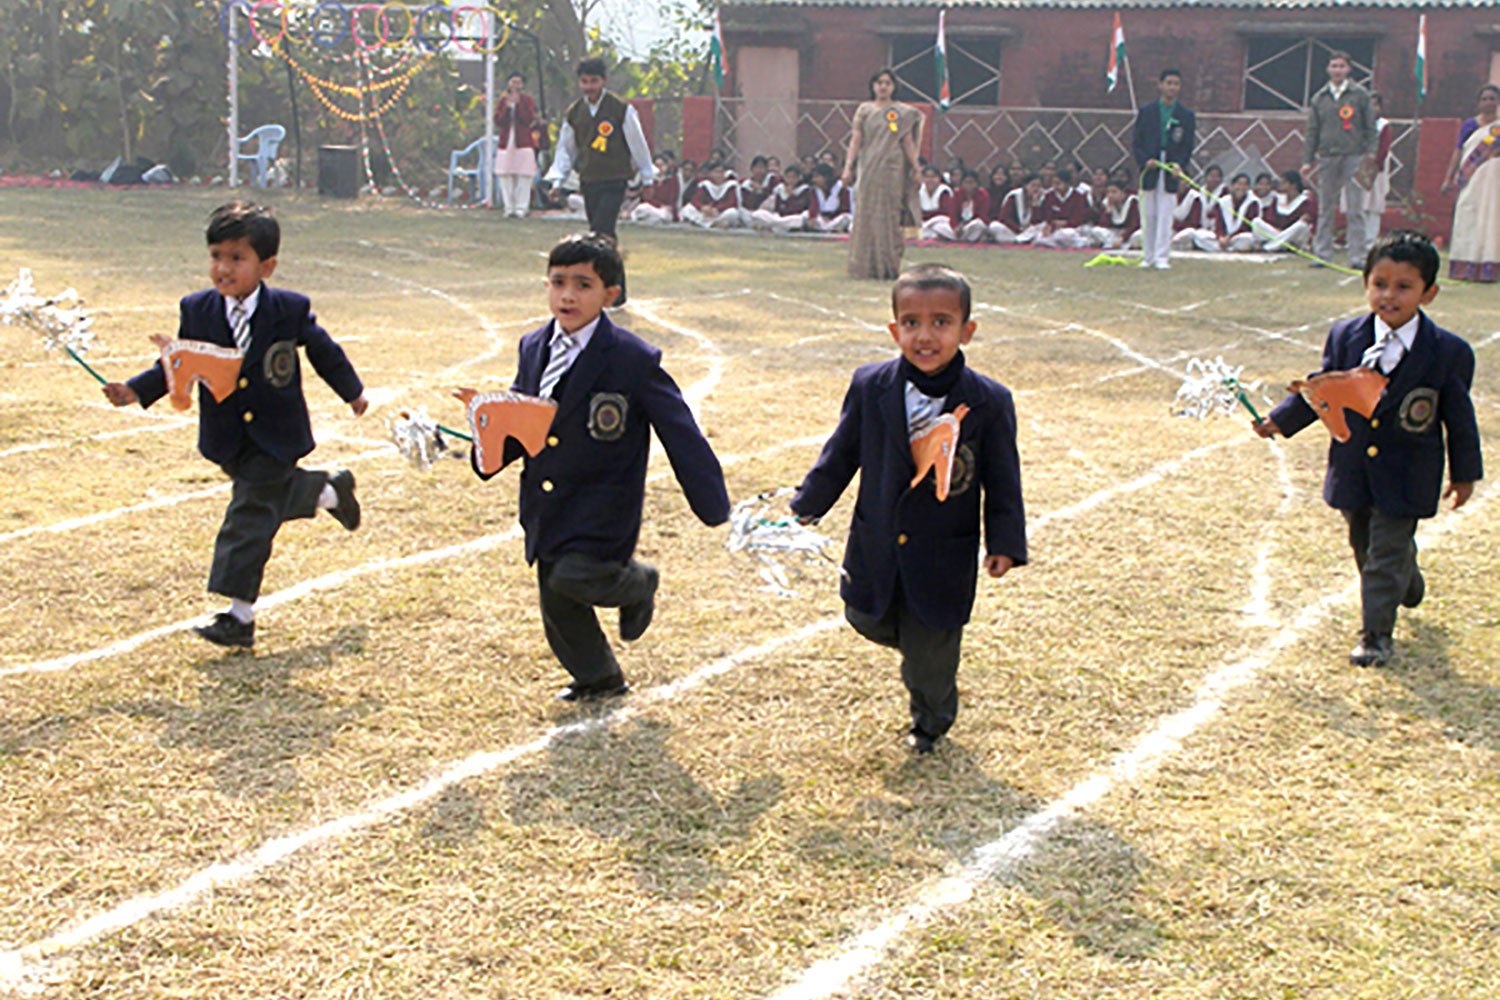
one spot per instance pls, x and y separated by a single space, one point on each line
475 173
267 141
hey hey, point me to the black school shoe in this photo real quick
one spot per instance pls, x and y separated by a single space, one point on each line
920 743
1415 590
227 630
347 510
610 687
1374 650
636 618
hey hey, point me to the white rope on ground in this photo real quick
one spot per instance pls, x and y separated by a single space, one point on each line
843 970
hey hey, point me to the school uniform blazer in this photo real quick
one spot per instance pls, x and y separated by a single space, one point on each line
1146 142
1394 461
898 529
267 407
980 200
584 491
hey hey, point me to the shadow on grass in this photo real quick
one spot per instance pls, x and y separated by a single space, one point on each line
252 714
1468 711
623 785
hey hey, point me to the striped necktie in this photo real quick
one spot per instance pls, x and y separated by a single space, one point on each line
923 414
1374 354
240 324
562 357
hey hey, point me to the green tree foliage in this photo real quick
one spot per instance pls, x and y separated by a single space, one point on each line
84 81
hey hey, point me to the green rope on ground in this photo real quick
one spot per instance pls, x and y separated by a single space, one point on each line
1176 170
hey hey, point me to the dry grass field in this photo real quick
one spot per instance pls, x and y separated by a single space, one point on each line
1165 780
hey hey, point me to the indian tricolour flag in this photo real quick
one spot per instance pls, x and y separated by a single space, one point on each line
1421 67
1116 53
940 57
716 52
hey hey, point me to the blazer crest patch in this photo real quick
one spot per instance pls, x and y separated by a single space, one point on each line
280 363
607 412
963 471
1419 410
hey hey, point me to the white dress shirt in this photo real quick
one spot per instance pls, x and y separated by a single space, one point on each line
1396 349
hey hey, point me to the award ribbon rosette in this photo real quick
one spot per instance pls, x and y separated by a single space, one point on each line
189 362
935 448
601 141
1331 393
495 416
891 118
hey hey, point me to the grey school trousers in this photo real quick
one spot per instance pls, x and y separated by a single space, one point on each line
1385 550
267 492
929 661
571 586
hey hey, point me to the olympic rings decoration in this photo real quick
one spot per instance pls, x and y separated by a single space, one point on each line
255 22
473 43
226 17
385 26
373 25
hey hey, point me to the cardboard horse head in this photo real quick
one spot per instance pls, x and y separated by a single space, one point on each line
935 448
1331 393
495 416
188 362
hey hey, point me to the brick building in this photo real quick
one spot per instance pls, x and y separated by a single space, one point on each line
1028 76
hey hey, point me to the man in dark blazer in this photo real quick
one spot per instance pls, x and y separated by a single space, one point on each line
261 430
582 495
1165 132
1389 474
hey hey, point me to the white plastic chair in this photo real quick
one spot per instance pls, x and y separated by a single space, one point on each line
476 172
267 141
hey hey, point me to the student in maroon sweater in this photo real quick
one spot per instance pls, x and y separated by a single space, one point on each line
1065 213
786 210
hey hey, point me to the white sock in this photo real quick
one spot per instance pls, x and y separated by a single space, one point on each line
327 500
242 611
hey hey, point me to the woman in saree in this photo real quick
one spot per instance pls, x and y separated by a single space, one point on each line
1475 251
882 164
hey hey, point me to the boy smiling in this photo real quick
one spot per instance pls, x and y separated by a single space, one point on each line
910 563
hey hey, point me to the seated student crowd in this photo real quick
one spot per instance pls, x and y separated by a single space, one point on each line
1061 205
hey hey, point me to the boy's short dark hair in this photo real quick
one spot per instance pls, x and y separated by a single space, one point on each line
759 161
969 175
1063 174
1169 72
1340 54
592 66
589 248
1240 177
931 277
1263 177
712 165
791 170
1029 176
824 171
248 221
1294 177
1405 246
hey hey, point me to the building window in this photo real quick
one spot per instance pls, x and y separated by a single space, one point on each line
1282 74
973 69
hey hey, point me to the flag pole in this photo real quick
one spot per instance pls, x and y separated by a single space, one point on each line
1130 81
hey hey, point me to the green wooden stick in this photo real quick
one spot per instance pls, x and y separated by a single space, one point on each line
72 354
1240 395
458 434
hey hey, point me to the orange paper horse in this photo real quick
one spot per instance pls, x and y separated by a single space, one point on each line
495 416
1330 393
188 362
935 449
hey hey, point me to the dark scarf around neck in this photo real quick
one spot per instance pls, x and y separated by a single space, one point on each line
934 385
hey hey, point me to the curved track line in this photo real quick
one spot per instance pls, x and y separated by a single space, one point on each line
854 960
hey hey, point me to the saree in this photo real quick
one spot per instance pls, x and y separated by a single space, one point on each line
1475 253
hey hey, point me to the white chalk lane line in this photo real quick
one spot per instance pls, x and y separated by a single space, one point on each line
24 964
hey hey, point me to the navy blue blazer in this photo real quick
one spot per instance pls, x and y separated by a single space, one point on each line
901 531
1146 142
584 491
267 407
1393 461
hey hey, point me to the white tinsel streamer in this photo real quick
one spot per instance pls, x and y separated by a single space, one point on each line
417 437
60 319
775 540
1210 387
